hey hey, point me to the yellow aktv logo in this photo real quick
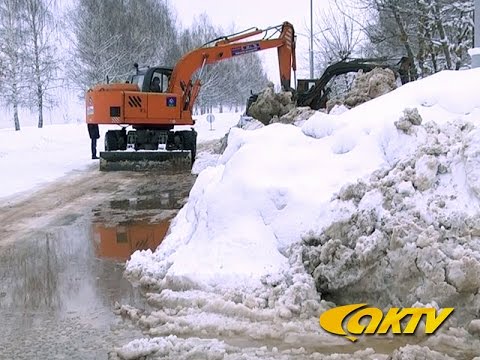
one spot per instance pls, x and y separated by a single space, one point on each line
333 320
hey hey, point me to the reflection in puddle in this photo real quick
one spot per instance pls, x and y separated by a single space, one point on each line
56 297
165 200
122 240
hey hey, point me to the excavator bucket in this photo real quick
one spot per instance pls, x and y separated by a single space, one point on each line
164 161
166 151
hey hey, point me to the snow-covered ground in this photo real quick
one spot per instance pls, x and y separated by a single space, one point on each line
32 157
374 204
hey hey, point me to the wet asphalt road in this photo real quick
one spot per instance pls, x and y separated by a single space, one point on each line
61 278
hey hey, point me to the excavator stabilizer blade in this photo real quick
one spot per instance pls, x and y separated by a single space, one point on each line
163 161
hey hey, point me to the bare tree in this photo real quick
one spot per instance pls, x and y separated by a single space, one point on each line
435 34
42 60
12 36
338 37
111 35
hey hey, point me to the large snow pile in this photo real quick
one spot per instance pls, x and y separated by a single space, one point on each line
409 233
375 204
208 152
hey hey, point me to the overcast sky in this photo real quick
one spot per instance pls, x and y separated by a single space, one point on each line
243 14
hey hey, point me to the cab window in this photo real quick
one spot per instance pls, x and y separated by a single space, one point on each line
159 82
138 80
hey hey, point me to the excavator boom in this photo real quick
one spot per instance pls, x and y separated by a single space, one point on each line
227 48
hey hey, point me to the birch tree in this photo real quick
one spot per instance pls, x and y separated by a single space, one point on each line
12 38
41 53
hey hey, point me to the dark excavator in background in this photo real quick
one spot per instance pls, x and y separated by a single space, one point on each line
314 93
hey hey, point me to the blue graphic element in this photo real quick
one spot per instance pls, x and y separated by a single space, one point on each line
245 49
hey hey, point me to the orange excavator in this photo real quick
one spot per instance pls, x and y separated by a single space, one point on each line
156 99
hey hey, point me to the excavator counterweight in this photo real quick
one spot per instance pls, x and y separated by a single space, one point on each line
157 99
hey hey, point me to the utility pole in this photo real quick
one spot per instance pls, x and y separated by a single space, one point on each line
311 37
475 52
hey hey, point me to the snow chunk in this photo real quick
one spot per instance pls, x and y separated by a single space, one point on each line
412 352
410 118
426 169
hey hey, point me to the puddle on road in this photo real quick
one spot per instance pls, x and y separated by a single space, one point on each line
120 241
58 297
60 284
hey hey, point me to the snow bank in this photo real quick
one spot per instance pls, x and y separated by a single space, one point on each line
408 233
375 204
273 184
172 347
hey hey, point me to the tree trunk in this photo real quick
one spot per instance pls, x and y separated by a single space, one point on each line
421 39
431 50
40 107
404 39
443 36
16 120
38 79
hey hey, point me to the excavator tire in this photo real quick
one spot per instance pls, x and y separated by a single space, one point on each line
189 141
111 141
115 140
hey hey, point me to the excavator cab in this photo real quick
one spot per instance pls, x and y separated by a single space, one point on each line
144 78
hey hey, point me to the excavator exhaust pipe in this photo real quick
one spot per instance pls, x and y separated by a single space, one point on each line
162 161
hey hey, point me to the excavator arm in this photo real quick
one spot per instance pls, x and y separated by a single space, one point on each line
281 37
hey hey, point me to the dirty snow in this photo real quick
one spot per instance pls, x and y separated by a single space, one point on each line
32 157
354 205
271 105
367 86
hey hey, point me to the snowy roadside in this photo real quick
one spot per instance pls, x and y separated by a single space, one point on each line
354 205
33 157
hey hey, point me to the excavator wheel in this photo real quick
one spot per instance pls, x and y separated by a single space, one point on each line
188 141
115 140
